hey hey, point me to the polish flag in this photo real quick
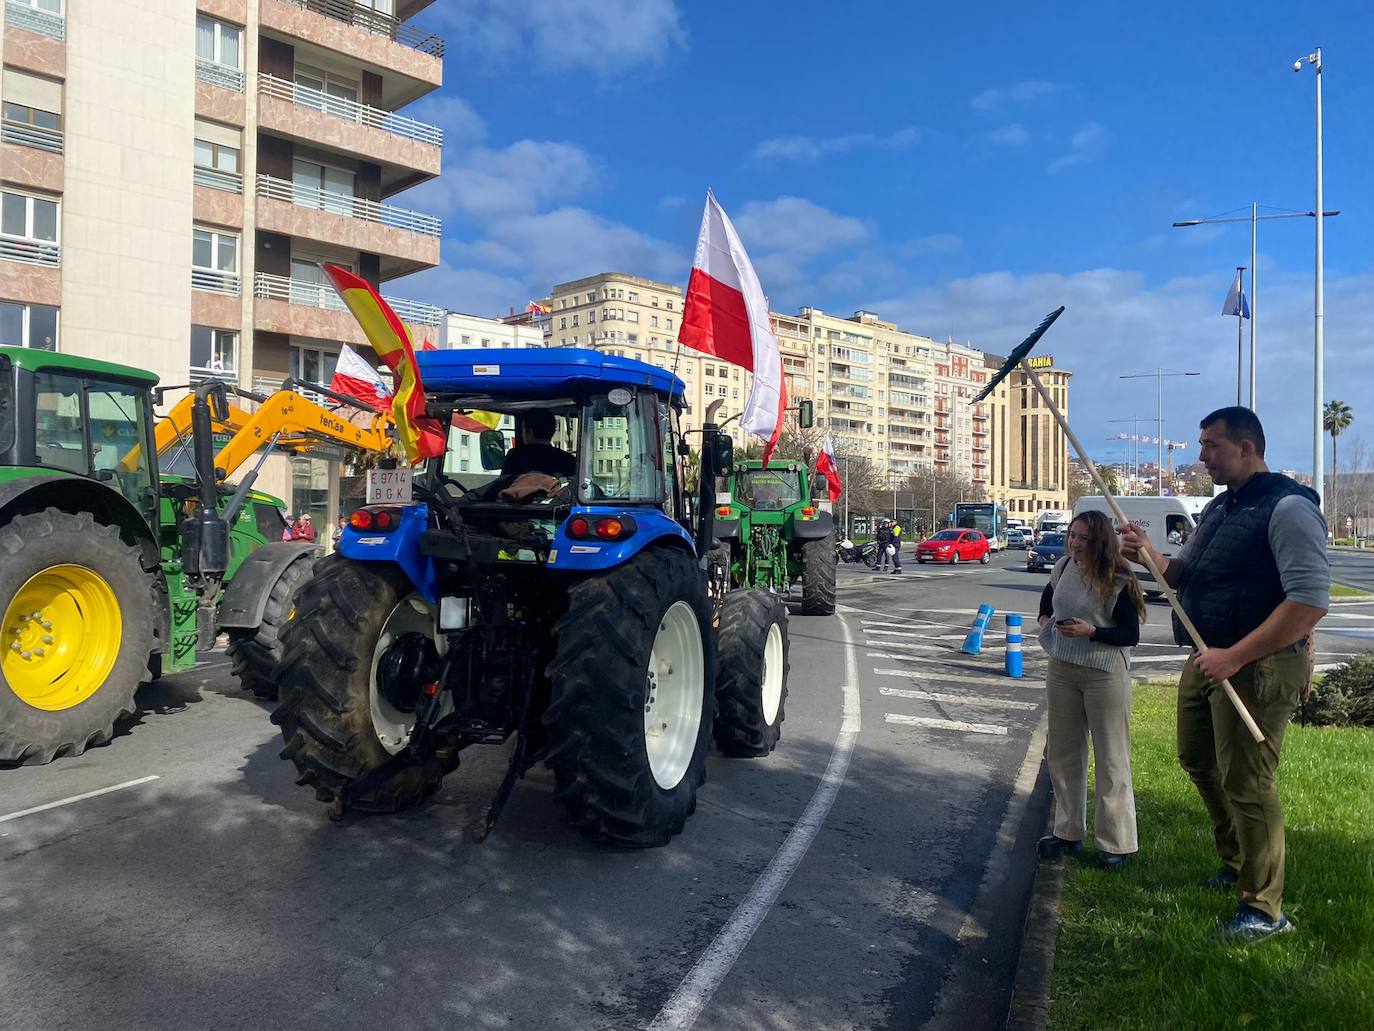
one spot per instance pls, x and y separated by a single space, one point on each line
354 377
427 346
726 315
825 466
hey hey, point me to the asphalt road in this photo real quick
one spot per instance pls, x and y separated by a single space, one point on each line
219 895
1355 568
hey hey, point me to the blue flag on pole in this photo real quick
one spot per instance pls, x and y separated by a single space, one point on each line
1235 303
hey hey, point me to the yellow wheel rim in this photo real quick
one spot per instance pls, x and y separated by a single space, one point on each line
61 636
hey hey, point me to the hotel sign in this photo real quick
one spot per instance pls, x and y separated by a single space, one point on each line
1040 361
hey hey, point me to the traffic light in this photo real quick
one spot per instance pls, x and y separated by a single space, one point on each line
806 416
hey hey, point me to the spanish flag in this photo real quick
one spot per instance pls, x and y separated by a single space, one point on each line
420 435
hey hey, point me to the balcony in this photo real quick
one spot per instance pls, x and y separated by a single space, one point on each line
407 241
45 23
222 75
407 150
412 56
303 308
216 282
31 252
229 182
196 374
25 135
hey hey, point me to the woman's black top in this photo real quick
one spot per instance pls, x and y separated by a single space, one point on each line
1125 629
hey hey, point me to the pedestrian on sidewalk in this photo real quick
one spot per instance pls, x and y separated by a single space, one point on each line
883 536
1254 578
894 533
1090 614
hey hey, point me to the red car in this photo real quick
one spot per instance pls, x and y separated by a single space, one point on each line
954 546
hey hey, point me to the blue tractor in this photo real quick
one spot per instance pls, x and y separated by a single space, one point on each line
564 601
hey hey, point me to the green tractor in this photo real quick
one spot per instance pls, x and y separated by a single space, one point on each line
110 575
772 535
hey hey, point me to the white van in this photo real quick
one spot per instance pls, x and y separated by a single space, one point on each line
1167 521
1051 520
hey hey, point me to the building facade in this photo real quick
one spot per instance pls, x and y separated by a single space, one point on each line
1029 456
174 173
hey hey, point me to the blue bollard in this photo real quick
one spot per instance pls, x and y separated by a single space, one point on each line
1014 659
973 643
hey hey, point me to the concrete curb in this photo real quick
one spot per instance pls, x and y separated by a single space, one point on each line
1353 601
1030 1000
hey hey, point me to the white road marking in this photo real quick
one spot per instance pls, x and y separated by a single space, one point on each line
935 696
77 798
874 632
895 655
685 1005
934 724
962 678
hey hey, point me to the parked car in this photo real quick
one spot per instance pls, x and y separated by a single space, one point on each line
954 546
1047 551
1015 539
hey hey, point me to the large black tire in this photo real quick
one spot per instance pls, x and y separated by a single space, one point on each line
818 578
325 683
751 690
29 545
598 742
254 654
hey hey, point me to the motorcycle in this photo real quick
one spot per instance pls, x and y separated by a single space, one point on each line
847 551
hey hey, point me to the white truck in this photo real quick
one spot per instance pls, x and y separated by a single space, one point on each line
1052 520
1167 521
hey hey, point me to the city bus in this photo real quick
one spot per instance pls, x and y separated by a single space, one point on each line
987 517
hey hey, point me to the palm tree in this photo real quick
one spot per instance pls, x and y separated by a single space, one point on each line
1336 418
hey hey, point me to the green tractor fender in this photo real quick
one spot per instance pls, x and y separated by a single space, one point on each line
821 525
245 596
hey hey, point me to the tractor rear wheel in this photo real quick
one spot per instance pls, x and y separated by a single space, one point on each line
78 629
254 654
632 697
336 717
751 673
818 578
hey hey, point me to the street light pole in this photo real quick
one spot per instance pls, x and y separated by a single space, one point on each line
1254 218
1240 322
1159 375
1319 300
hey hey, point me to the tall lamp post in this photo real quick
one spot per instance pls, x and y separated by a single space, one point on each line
1319 299
1254 218
1159 375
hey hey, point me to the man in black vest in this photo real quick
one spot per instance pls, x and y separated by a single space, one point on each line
1255 579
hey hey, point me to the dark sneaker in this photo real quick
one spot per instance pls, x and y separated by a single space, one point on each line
1051 846
1249 925
1113 860
1222 880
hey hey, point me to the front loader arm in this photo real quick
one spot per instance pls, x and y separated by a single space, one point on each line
301 425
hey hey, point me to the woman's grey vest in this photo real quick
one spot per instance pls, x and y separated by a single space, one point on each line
1075 598
1232 582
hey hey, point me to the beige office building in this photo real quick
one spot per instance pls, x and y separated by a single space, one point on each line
174 173
1029 456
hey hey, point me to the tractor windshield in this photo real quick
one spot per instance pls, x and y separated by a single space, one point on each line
622 455
768 489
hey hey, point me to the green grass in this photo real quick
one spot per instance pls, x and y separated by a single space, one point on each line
1346 591
1135 948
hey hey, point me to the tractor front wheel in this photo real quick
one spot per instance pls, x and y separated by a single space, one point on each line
818 578
632 698
254 654
751 673
77 632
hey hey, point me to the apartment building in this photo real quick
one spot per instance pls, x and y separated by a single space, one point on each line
1029 467
174 173
962 430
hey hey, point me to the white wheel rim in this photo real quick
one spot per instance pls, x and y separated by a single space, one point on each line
772 674
675 688
391 725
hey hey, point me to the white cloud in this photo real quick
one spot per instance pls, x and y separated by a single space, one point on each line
1087 144
936 243
796 226
813 148
459 119
1014 135
487 183
604 37
477 291
1116 323
998 97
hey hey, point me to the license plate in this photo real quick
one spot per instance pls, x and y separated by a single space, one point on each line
388 486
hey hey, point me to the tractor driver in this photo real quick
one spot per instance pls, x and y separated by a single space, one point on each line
535 454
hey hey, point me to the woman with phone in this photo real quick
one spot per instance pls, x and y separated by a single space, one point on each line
1090 615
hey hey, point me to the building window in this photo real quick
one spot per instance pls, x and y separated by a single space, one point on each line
28 325
326 91
28 229
574 321
215 261
218 42
563 323
633 297
653 321
669 306
466 340
217 166
591 298
591 316
32 111
632 316
327 187
313 364
214 354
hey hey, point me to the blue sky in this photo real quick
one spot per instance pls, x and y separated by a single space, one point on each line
961 171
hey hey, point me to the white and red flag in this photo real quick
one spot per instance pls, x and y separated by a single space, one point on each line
726 315
825 466
354 377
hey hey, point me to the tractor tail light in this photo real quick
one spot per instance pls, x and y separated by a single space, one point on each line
579 527
725 510
600 527
375 519
361 520
809 512
610 529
